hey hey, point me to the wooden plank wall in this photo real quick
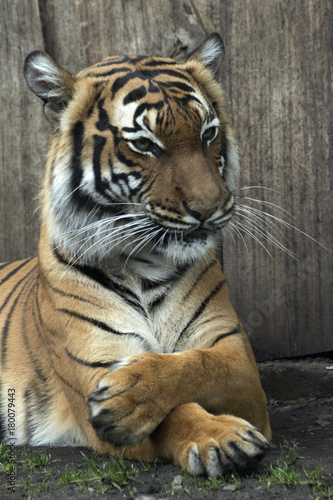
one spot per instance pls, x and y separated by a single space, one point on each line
278 80
278 90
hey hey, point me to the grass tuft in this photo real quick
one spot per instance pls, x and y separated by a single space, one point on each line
100 474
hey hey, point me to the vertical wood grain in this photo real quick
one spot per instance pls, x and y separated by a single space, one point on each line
138 27
62 33
277 76
23 133
278 80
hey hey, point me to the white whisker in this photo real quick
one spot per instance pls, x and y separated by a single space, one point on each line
243 228
286 224
260 220
96 228
258 229
142 241
268 203
101 222
108 240
238 233
230 232
256 187
159 242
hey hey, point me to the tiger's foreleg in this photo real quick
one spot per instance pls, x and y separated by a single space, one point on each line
201 442
131 402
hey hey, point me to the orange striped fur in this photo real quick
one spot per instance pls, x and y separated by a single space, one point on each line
121 330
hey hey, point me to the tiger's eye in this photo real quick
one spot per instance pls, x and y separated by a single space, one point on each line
142 143
209 133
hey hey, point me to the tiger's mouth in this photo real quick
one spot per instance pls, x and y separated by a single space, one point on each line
190 231
199 235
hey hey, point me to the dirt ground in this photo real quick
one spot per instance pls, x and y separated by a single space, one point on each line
302 445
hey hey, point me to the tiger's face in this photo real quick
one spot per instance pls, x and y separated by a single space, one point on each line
140 158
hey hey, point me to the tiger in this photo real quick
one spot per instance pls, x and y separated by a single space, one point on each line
120 335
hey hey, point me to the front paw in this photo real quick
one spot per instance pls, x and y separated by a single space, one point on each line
222 443
128 403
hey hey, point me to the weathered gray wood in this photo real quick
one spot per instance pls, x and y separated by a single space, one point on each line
278 80
207 13
278 86
62 33
138 27
23 135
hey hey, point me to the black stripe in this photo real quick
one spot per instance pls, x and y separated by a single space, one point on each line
14 271
144 261
111 61
153 88
15 287
157 151
183 102
158 62
94 364
28 414
151 73
111 72
5 264
178 85
127 161
224 335
68 384
99 324
157 301
76 167
148 285
38 322
226 212
69 295
34 361
201 308
136 59
104 123
146 106
135 95
5 330
103 118
144 191
79 197
38 327
199 278
122 80
162 218
125 177
95 274
100 185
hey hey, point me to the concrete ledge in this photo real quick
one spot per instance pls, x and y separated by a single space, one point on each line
295 381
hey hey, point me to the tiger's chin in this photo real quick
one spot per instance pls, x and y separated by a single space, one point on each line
182 249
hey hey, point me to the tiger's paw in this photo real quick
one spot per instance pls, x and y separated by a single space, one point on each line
128 403
221 444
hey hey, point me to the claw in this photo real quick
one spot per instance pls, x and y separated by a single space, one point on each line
196 465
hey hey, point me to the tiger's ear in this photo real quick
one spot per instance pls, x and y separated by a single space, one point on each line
210 53
49 82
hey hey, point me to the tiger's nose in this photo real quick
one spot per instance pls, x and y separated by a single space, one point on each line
198 212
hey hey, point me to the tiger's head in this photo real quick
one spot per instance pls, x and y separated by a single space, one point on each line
142 156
